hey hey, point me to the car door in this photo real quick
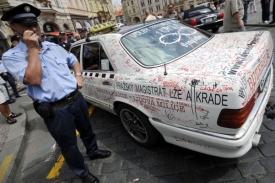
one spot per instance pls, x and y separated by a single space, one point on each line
98 75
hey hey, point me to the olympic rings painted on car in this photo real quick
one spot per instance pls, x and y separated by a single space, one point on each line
187 32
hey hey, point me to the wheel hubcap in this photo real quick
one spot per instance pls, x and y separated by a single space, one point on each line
133 125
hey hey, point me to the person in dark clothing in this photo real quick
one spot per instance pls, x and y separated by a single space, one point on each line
64 42
8 78
273 14
245 6
265 11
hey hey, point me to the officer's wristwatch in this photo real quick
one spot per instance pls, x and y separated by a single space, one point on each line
77 74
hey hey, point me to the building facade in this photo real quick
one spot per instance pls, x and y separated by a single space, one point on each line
60 15
131 11
120 16
159 7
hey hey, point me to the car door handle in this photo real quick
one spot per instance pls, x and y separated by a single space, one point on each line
105 83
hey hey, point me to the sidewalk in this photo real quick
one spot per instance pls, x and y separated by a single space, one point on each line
12 138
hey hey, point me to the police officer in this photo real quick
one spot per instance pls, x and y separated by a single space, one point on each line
43 67
64 41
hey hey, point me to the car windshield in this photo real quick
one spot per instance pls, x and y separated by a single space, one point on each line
199 12
162 42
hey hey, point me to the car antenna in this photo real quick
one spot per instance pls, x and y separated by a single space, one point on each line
165 73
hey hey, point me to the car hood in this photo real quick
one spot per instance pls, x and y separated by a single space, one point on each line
231 54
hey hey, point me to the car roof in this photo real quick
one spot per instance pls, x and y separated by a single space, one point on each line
126 29
196 8
122 30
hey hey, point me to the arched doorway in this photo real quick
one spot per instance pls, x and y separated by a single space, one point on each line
78 26
51 27
136 20
66 27
3 44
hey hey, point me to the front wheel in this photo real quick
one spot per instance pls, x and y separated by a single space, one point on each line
138 126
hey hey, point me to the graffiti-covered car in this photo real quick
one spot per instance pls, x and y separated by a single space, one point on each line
162 79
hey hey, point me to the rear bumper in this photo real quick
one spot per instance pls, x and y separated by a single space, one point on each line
217 23
218 144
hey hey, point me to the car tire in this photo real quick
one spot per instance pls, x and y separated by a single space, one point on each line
138 126
215 29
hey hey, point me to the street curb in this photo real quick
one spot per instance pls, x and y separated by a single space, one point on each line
15 142
260 25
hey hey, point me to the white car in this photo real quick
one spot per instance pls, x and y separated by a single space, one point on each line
199 91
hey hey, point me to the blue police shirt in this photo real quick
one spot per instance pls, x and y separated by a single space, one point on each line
57 80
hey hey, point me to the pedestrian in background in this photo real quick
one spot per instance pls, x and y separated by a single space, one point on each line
172 13
233 16
265 11
77 37
3 72
4 107
252 6
44 68
8 78
273 14
245 6
64 41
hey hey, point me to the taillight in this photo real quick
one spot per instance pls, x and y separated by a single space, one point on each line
235 118
221 15
193 22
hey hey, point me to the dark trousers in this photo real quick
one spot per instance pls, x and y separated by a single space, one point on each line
62 128
245 6
273 17
265 10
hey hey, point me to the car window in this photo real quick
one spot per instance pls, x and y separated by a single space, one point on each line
199 12
162 42
95 58
76 52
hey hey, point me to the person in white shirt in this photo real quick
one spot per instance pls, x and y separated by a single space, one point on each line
252 6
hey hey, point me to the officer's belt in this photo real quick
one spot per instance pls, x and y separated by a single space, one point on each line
69 99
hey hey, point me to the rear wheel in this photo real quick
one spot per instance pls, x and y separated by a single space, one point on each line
215 29
138 126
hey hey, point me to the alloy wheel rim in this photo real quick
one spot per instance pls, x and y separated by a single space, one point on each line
134 125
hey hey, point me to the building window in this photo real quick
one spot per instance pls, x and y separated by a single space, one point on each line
129 11
149 2
127 3
157 1
150 9
57 3
134 10
91 5
142 4
158 7
132 3
144 11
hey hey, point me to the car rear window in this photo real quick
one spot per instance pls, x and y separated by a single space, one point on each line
162 42
199 12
